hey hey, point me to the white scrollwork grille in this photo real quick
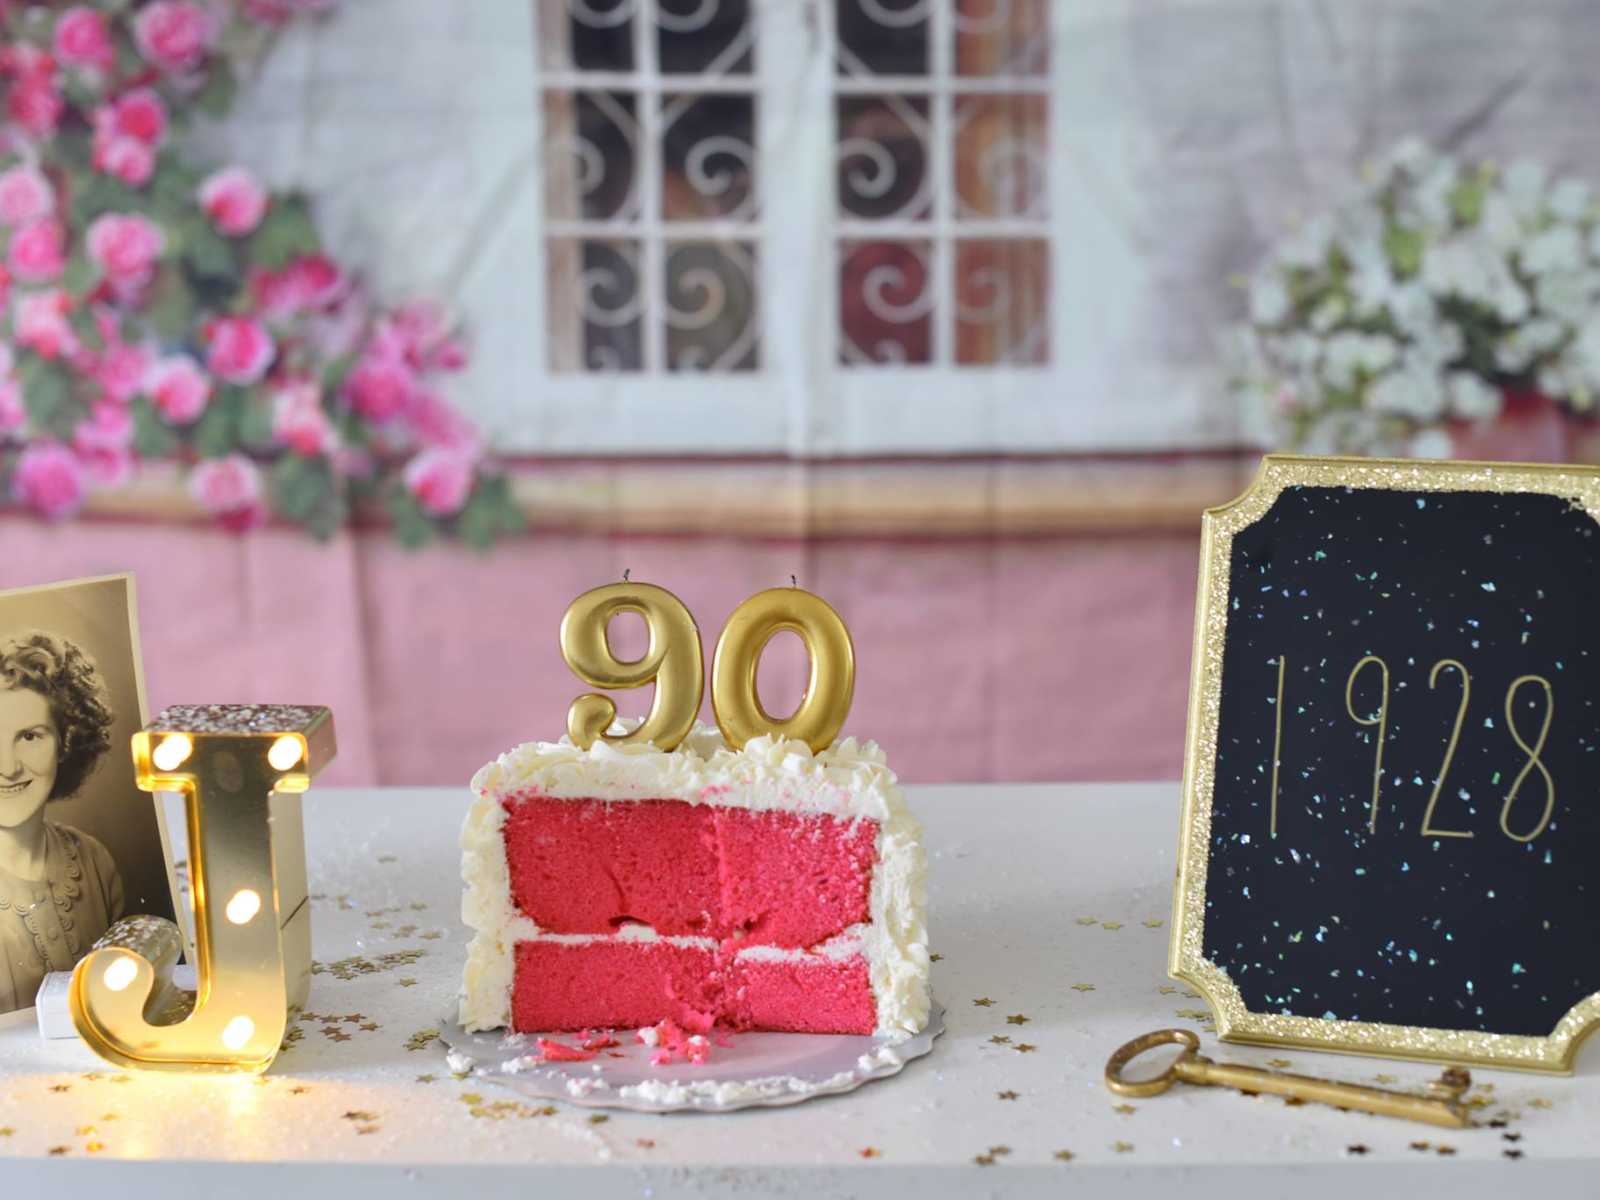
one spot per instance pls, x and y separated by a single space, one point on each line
652 210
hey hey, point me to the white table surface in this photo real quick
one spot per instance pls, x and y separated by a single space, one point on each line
1052 901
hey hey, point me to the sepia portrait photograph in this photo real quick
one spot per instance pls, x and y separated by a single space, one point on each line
80 845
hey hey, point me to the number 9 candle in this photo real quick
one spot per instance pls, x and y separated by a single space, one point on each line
241 770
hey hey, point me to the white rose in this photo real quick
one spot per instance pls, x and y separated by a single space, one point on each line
1524 186
1471 397
1308 245
1431 443
1269 299
1407 392
1567 295
1327 314
1498 222
1559 248
1569 199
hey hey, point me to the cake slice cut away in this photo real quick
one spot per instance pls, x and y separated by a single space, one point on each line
770 888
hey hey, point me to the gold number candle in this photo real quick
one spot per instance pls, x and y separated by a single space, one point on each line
241 770
673 661
826 702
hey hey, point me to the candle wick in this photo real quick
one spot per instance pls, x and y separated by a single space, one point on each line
626 571
793 582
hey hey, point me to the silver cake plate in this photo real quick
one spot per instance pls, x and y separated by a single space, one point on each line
757 1070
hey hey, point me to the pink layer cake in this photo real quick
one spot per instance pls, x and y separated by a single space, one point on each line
768 888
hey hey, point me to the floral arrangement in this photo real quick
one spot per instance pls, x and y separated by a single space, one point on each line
1421 302
157 309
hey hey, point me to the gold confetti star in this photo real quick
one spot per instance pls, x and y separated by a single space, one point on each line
984 1002
85 1130
471 1098
1024 1047
935 958
983 1160
359 1115
426 1078
60 1087
1540 1102
1017 1019
1446 1151
1422 1147
1386 1078
1506 1153
58 1151
334 1033
1279 1063
420 1039
1358 1148
1195 1014
370 1027
1088 920
1064 1156
299 1089
408 982
1000 1039
645 1143
1008 1094
869 1152
1111 925
1154 923
94 1147
1167 990
598 1119
1125 1109
1083 987
999 1151
1122 1147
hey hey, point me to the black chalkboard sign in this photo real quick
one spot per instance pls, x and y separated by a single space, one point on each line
1391 836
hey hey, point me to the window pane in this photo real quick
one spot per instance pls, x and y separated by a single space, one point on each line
1002 298
595 305
710 309
708 158
883 37
1001 156
883 157
586 35
711 37
1002 37
885 302
590 146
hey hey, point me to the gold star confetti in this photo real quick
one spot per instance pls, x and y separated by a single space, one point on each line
299 1090
1540 1102
983 1160
91 1075
426 1078
1195 1014
999 1151
1083 987
94 1147
1279 1063
1154 923
58 1151
1000 1039
1507 1153
471 1098
1422 1147
1125 1109
85 1130
1064 1156
334 1033
418 906
1111 925
645 1143
1088 920
370 1027
408 982
1189 995
420 1039
1122 1147
432 935
60 1087
1358 1148
869 1152
6 1131
1510 1137
359 1115
1167 990
366 1129
1017 1019
1024 1047
1007 1095
1386 1078
1292 1101
984 1002
598 1119
1447 1151
935 958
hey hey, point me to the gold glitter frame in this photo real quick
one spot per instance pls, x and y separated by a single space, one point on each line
1186 960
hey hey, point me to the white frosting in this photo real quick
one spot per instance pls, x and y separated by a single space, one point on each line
850 779
724 1092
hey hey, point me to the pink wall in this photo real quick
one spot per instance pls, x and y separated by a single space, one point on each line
1050 658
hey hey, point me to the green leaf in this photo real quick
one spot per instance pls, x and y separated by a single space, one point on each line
412 528
300 487
1404 248
79 275
255 421
286 232
1466 200
151 436
216 98
217 431
170 308
47 395
205 251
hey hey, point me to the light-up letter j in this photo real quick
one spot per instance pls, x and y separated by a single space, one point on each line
241 770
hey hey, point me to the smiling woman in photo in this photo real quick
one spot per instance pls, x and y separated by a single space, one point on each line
59 888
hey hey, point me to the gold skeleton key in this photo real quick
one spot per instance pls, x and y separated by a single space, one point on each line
1442 1107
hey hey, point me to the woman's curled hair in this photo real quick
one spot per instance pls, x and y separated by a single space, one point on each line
61 672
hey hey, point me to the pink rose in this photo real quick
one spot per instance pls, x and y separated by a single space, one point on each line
33 101
48 479
299 421
379 388
230 490
125 247
175 35
179 389
25 195
238 349
307 283
436 424
13 416
38 252
441 480
121 370
418 328
5 286
41 324
278 12
126 134
233 200
81 39
102 443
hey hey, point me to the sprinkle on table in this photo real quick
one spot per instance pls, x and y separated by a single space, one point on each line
426 1078
1024 1047
6 1131
1122 1147
1510 1137
935 958
1126 1110
1279 1064
1167 989
1000 1039
598 1118
1513 1154
1083 987
645 1143
984 1002
1017 1019
58 1151
1357 1149
999 1151
360 1115
1422 1147
983 1160
60 1087
420 1039
1154 923
1111 925
1008 1094
1088 920
1064 1156
869 1152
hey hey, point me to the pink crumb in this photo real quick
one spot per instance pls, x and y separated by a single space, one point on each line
554 1051
597 1041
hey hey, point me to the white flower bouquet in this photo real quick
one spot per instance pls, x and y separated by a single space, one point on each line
1390 323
